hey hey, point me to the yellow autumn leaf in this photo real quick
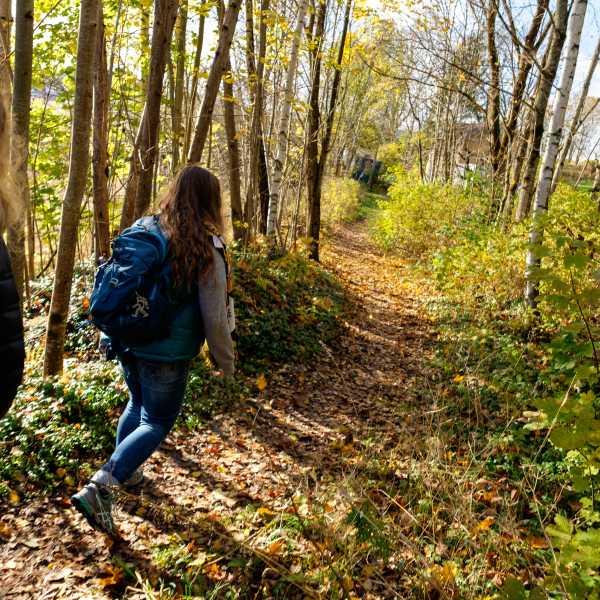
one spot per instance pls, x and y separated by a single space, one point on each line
484 525
13 498
261 382
537 542
458 378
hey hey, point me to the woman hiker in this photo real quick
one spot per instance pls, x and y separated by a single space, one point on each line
156 373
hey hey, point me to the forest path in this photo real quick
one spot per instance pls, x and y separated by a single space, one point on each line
303 433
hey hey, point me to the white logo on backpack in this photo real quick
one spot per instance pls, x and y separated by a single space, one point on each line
141 307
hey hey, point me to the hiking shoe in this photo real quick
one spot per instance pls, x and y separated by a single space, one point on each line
94 502
136 478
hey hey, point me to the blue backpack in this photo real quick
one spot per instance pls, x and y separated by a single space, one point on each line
133 300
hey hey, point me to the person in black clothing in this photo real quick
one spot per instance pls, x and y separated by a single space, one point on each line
12 348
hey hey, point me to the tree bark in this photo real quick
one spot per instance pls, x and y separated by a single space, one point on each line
524 68
177 110
493 98
596 186
539 107
100 145
577 117
314 225
21 101
138 192
233 153
314 125
194 86
284 120
5 71
258 175
213 83
559 110
78 167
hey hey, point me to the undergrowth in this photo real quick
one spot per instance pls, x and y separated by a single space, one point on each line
521 406
58 428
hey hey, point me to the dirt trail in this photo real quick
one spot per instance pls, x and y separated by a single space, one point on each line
292 435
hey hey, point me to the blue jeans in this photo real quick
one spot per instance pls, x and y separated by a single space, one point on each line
156 391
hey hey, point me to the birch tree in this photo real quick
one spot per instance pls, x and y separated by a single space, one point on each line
577 117
542 95
78 168
284 120
559 109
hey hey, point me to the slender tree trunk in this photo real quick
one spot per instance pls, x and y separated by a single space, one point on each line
144 40
493 106
194 86
20 135
284 120
138 192
177 109
577 118
233 153
539 107
100 145
258 176
78 167
559 110
5 52
524 68
217 69
314 225
5 72
314 125
596 186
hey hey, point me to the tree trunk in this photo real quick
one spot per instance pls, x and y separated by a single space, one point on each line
217 69
596 186
314 125
100 145
284 120
559 110
78 167
525 63
577 117
258 176
5 72
144 41
493 106
138 191
20 135
233 153
315 201
177 109
539 107
194 86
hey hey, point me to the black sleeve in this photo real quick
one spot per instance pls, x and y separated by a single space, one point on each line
12 347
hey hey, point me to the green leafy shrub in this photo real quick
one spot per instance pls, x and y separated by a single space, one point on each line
340 200
420 218
503 360
286 308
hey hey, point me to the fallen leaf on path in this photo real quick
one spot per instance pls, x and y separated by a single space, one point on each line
114 578
261 382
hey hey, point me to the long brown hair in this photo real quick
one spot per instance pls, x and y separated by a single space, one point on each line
191 214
